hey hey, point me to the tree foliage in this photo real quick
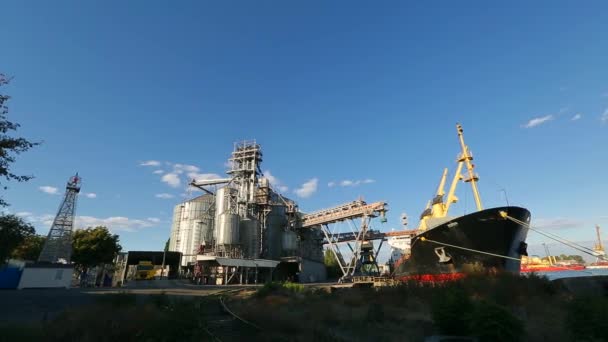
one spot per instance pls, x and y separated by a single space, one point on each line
331 264
94 246
577 258
30 248
9 146
13 231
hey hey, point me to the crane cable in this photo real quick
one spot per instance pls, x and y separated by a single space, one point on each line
554 237
550 235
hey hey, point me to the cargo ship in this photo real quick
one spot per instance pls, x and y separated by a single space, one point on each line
536 264
445 247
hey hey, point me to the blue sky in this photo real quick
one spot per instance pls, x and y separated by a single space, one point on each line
333 92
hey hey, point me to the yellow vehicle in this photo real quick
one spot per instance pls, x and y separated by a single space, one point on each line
145 271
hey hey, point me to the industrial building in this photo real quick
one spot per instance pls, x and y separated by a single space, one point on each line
245 231
241 230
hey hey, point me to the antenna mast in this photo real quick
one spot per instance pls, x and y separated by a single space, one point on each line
466 157
58 244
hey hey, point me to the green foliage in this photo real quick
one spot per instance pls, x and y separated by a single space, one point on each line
9 146
450 310
121 318
331 264
375 313
94 246
121 299
280 288
577 258
30 248
167 245
15 332
587 319
13 232
491 322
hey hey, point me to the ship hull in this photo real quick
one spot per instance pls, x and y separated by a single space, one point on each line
469 235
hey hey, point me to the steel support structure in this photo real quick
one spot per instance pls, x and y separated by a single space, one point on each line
58 244
358 235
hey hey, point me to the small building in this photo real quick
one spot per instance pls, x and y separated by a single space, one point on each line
46 275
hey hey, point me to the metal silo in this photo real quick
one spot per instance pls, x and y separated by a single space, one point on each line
226 218
290 242
192 226
250 238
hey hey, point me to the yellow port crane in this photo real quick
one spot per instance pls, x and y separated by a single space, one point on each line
599 247
438 208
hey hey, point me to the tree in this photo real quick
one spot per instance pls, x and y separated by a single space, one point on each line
30 248
167 245
13 231
331 264
10 146
94 246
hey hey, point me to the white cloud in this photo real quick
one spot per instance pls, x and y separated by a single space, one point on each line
179 173
604 117
172 179
348 182
45 220
150 163
307 189
115 223
275 182
181 168
538 121
51 190
577 117
164 196
90 195
203 176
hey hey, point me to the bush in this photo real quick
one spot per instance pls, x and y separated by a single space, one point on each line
450 310
587 319
121 299
491 322
280 288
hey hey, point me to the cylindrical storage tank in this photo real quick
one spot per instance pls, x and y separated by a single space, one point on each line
222 200
250 238
206 229
227 229
290 241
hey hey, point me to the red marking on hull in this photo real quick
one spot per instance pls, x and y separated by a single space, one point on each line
432 278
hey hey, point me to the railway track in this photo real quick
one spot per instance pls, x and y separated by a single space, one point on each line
223 325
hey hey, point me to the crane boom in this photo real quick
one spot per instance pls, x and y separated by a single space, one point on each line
599 247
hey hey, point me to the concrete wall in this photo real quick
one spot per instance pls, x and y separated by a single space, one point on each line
46 277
